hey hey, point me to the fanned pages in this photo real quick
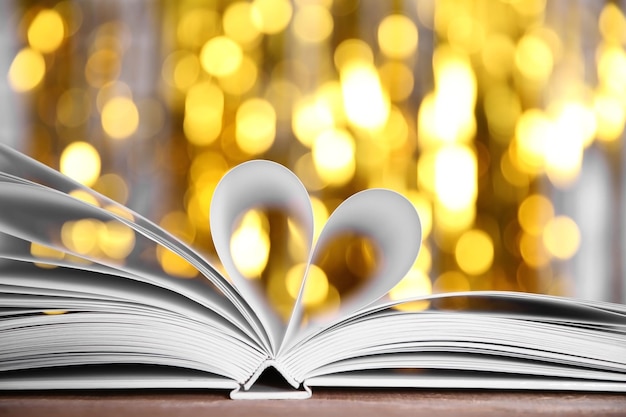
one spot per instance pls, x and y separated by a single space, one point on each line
84 304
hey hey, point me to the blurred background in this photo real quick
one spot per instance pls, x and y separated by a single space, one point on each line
501 120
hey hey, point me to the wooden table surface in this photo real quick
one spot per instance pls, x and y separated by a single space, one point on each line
342 403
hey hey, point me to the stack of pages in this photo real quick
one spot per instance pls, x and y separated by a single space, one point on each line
127 324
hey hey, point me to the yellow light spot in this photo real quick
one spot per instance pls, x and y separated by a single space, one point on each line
353 50
120 211
45 252
250 245
612 69
310 118
81 162
426 171
466 34
451 281
186 71
271 16
204 108
313 23
112 186
256 126
502 107
196 26
424 209
238 23
111 90
242 80
534 213
533 130
447 115
365 103
474 252
73 107
511 173
533 251
397 36
397 78
533 58
424 260
612 23
315 289
103 66
116 239
26 70
320 216
415 284
449 223
46 31
562 237
528 8
610 116
180 69
81 236
575 128
178 224
221 56
395 133
120 117
455 177
497 55
174 264
85 197
333 156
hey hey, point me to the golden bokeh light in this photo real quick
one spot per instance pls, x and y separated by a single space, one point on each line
316 287
85 197
451 281
81 236
534 213
474 252
45 252
333 156
221 56
250 245
113 186
47 31
312 23
196 26
238 23
120 117
561 237
27 70
204 108
310 118
397 36
73 107
116 240
271 16
81 162
415 284
174 264
366 104
242 80
533 58
455 177
256 126
492 124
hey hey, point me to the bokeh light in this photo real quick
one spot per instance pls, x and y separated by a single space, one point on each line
504 130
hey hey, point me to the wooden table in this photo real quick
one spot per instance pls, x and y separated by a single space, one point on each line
342 403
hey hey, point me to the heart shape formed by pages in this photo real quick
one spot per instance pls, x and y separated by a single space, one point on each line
385 216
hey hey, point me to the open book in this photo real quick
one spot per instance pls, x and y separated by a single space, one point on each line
128 324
